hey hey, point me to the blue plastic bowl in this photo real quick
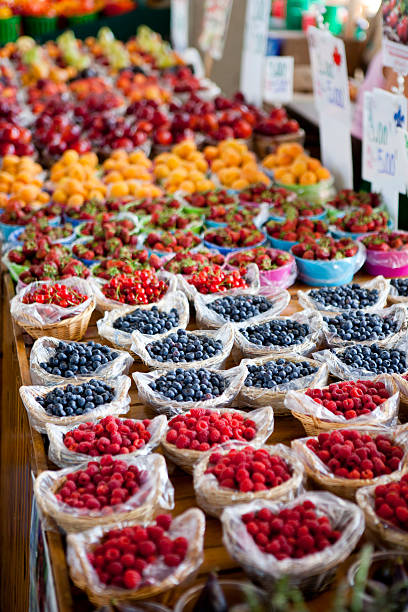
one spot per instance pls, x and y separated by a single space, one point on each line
283 245
329 273
6 230
340 234
320 217
15 237
74 222
227 251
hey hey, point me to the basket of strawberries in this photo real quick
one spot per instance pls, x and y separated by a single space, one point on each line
387 253
233 238
284 235
360 221
276 268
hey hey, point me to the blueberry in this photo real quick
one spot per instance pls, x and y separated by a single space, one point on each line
375 359
148 322
88 356
271 374
71 400
278 332
184 347
401 285
189 385
361 326
347 297
240 308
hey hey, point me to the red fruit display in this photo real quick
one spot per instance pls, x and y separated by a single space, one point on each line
58 294
347 198
90 210
235 215
172 242
53 270
37 251
248 469
391 502
140 287
276 123
169 220
18 212
263 257
210 198
259 194
191 263
363 220
325 249
234 237
127 264
352 454
291 533
215 280
149 206
297 229
201 428
351 399
41 228
124 555
101 484
109 436
386 241
104 227
291 208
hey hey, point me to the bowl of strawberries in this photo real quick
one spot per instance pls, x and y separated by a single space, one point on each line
200 203
221 216
285 234
361 221
328 262
277 268
162 243
387 253
233 238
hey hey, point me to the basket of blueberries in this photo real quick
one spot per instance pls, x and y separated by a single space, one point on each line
365 296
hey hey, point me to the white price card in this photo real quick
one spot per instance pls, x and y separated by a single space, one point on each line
214 28
179 24
384 122
329 73
254 50
278 86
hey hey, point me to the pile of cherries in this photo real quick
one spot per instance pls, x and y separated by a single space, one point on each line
140 287
57 294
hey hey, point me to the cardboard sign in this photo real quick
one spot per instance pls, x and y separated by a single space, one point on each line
331 92
384 122
179 24
278 86
214 29
395 35
254 50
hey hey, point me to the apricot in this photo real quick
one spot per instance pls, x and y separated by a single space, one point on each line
308 178
298 168
187 186
211 152
313 164
323 174
119 189
287 179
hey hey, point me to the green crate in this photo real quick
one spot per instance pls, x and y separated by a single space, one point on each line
10 29
37 26
80 19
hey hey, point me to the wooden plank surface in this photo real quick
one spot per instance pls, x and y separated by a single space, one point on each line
16 344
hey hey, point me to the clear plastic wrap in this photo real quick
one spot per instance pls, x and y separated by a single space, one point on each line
44 348
209 319
39 418
316 418
251 278
311 317
384 534
379 283
312 573
103 303
234 377
257 396
225 334
272 280
40 315
397 314
213 498
324 478
157 578
345 372
156 493
123 339
59 454
187 458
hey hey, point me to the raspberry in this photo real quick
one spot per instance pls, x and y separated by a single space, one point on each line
131 579
347 398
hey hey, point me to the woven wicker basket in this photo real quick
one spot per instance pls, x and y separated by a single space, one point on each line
386 534
186 458
347 488
73 328
213 499
190 524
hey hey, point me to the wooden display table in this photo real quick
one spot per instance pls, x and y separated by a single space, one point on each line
24 452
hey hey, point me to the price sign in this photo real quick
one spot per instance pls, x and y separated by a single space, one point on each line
384 122
179 24
278 85
215 24
330 85
254 50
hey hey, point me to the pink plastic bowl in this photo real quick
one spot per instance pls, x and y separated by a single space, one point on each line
390 264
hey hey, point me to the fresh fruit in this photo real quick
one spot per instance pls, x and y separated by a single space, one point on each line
276 123
74 358
296 230
76 180
234 237
361 326
275 373
291 166
375 359
140 287
190 263
129 262
172 242
259 194
350 399
216 197
386 241
74 400
234 165
184 347
390 501
401 285
326 249
183 169
57 294
54 270
241 307
265 258
278 332
346 297
235 215
148 322
347 198
363 220
214 280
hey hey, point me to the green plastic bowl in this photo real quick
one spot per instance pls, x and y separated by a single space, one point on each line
80 19
10 29
37 26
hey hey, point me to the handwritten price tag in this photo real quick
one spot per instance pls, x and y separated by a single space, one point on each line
215 24
278 79
179 24
254 50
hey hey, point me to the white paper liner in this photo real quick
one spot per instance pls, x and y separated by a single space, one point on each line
225 334
44 348
311 317
156 493
323 477
59 454
39 315
176 299
258 396
385 414
209 319
186 458
213 498
251 277
39 418
158 578
397 314
103 303
380 283
233 377
311 573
